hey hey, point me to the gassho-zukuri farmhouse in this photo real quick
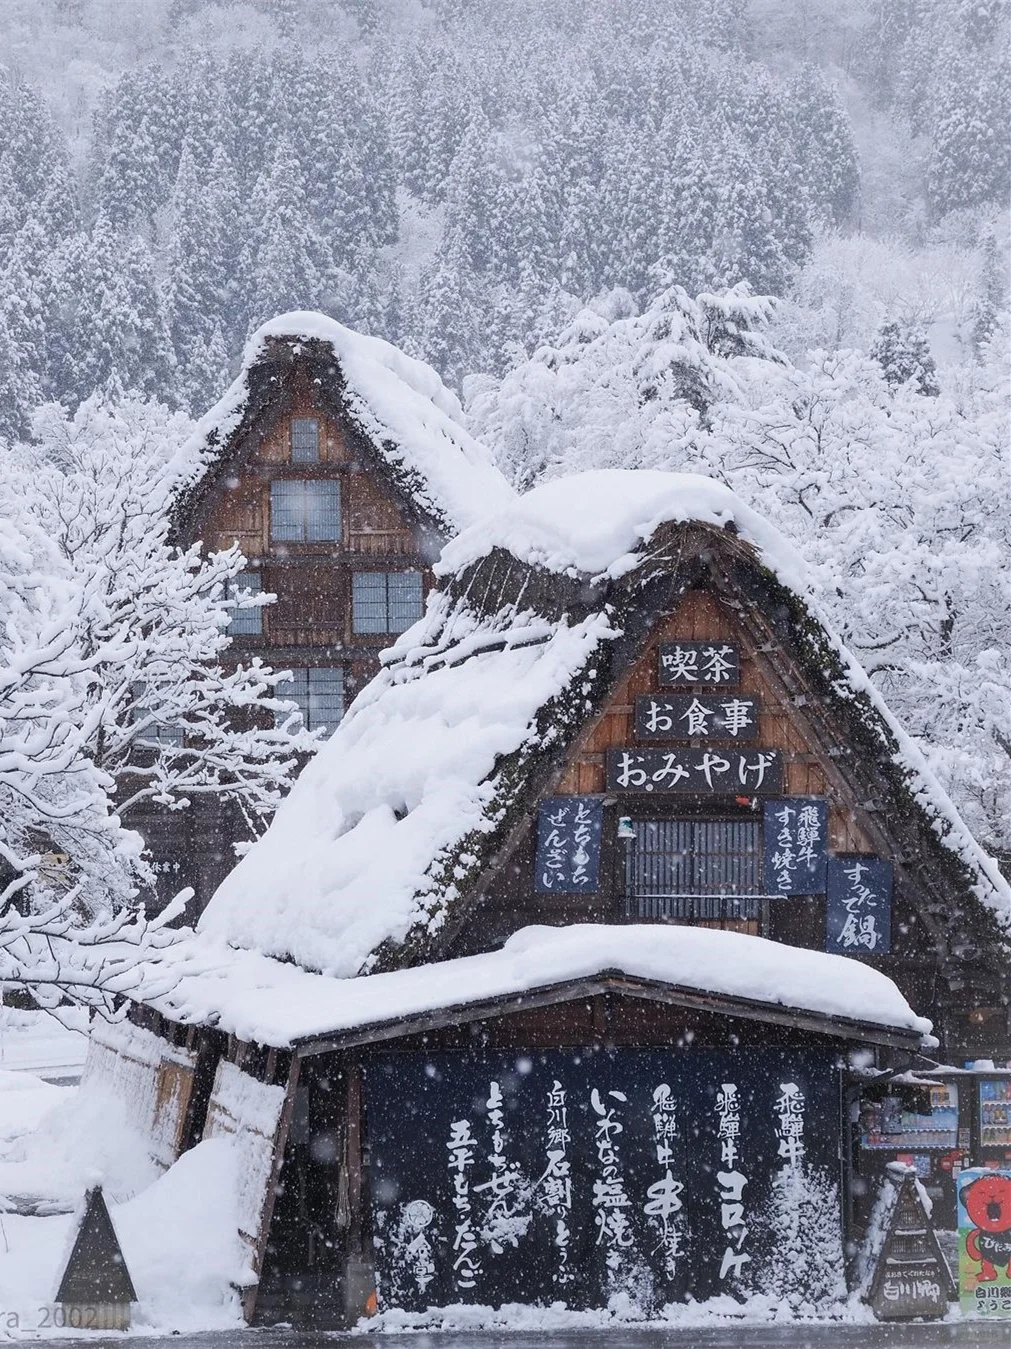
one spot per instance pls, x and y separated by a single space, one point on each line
589 956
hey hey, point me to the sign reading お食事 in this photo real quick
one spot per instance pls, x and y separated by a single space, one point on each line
703 717
704 664
859 906
568 845
795 836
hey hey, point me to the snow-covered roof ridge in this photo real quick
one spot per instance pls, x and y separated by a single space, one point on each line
375 857
271 1002
400 404
596 523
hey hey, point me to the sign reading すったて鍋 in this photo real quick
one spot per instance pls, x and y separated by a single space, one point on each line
705 772
859 906
568 845
700 664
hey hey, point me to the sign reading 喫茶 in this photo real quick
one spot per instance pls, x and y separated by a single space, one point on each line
705 665
795 833
568 845
984 1243
702 717
705 772
859 909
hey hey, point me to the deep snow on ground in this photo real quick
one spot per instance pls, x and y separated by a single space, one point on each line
178 1231
40 1043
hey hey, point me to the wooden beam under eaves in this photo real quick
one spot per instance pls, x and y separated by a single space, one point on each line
842 1028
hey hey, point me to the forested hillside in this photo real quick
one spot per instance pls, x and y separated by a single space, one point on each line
461 175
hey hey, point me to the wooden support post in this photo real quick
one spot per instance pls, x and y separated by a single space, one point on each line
359 1275
276 1162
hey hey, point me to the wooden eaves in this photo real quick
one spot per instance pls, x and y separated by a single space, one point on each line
610 981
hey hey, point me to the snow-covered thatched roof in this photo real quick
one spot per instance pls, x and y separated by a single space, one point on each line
378 851
412 422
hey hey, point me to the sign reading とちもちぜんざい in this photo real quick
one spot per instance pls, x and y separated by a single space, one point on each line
568 845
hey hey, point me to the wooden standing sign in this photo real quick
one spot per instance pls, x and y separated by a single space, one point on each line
911 1276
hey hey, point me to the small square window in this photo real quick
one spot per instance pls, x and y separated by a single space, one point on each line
319 692
386 601
245 622
304 440
305 510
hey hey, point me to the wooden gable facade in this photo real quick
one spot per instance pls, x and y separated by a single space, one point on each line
670 843
327 528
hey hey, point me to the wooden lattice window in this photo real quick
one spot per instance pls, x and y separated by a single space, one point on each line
694 869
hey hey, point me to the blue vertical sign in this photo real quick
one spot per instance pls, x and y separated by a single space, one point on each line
795 835
859 908
568 845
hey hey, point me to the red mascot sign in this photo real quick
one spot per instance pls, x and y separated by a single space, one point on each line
984 1242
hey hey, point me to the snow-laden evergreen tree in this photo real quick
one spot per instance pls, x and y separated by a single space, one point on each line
194 288
287 263
903 353
168 718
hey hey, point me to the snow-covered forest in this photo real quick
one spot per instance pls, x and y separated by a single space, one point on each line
571 211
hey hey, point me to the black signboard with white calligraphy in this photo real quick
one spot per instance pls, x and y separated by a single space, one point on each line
574 1176
704 772
795 837
568 845
702 664
859 910
703 717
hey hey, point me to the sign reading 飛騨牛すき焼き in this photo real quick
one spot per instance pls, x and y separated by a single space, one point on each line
795 833
696 716
859 906
705 665
706 772
568 845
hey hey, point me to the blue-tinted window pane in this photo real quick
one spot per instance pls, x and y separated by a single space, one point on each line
304 440
406 604
286 510
386 601
326 697
245 622
323 511
368 601
319 693
305 511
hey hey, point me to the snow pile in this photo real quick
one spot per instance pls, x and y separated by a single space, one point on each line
71 1138
595 524
400 404
180 1242
25 1100
346 863
275 1003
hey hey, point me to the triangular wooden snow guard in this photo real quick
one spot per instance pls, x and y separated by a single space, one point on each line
96 1272
911 1276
